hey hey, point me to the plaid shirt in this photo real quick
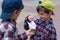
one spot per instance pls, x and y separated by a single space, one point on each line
8 31
44 30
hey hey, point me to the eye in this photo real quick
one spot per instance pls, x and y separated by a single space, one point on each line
40 13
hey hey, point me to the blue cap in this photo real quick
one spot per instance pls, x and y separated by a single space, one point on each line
8 6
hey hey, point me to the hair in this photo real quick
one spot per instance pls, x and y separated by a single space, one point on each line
39 8
21 7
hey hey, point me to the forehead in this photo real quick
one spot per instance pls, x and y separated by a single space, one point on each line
41 9
42 12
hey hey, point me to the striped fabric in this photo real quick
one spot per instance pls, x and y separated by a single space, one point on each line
8 31
44 30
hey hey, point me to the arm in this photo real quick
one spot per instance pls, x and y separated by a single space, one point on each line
37 21
22 36
1 35
25 35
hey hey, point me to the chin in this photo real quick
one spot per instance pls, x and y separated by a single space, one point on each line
43 19
15 19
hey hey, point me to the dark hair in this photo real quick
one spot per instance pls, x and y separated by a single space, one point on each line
39 8
21 7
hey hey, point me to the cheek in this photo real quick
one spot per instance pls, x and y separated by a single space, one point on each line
16 15
43 17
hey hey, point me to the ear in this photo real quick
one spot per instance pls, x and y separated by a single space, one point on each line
15 12
50 13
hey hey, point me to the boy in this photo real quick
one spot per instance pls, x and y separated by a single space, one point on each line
45 29
10 11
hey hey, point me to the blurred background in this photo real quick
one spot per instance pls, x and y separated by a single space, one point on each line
30 9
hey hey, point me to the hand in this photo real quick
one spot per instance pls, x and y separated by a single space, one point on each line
31 18
30 32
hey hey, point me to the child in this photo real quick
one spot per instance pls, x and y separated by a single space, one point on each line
29 23
45 29
10 11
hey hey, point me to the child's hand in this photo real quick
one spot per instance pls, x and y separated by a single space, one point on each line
30 32
31 18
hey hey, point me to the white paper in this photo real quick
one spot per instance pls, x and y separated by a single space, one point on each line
32 25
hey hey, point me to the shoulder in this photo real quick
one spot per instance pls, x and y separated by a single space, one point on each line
5 26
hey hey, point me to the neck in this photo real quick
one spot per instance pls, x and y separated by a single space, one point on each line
11 19
48 19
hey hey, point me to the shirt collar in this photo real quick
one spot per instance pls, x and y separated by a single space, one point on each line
8 21
50 21
45 22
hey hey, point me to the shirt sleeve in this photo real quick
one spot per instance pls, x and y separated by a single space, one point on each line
23 36
37 21
6 32
1 34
